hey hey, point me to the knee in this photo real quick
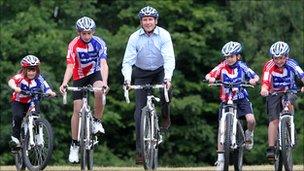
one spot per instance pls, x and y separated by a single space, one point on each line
250 119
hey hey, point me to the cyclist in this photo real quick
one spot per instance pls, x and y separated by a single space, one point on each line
278 75
149 58
87 61
28 78
233 70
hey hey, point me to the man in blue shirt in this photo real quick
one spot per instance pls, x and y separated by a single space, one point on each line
148 59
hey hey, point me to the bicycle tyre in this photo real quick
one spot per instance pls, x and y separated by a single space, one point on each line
90 151
227 143
278 164
145 139
82 142
37 157
19 161
286 150
239 152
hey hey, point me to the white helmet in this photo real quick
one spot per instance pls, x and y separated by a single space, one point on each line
148 12
85 24
29 61
231 48
278 49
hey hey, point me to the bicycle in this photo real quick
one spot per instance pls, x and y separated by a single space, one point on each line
286 134
36 137
150 133
85 134
230 126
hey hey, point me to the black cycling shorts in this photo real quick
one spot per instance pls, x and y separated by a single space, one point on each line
88 80
244 107
274 105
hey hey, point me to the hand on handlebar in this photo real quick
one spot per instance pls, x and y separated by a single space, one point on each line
63 88
168 84
127 84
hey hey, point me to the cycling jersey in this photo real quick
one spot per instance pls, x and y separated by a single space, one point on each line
27 85
232 74
277 79
86 56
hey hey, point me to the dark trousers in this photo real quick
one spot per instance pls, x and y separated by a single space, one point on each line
19 110
142 77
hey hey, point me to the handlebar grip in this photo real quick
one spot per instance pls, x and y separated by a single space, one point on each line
64 98
126 94
166 94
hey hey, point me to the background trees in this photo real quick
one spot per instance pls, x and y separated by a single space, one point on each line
199 29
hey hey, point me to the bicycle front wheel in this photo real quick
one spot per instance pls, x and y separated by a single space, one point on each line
146 138
286 144
239 152
19 162
227 143
37 156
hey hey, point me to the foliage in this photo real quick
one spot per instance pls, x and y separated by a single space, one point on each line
198 29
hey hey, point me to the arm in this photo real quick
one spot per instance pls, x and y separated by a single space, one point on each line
67 76
215 72
129 59
168 56
104 71
12 84
266 79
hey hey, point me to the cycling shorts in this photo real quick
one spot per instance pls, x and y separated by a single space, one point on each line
274 105
244 107
88 80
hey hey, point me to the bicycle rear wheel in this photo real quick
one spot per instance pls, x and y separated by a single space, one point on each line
239 152
286 144
227 143
146 139
37 157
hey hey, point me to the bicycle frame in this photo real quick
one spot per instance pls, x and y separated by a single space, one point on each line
232 111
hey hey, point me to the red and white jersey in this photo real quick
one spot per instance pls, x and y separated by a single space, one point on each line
280 79
86 56
27 85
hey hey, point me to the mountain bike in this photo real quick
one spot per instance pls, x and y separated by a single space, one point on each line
232 135
286 134
85 133
150 133
36 137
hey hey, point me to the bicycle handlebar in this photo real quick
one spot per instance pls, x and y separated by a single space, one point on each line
285 92
35 93
86 88
230 85
147 86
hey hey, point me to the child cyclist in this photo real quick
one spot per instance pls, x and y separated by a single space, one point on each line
232 70
278 75
27 79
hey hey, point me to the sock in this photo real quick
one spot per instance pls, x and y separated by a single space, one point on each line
220 156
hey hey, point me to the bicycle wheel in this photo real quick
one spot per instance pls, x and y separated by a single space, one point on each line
89 152
37 157
82 142
19 162
239 152
286 144
227 143
278 165
146 139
